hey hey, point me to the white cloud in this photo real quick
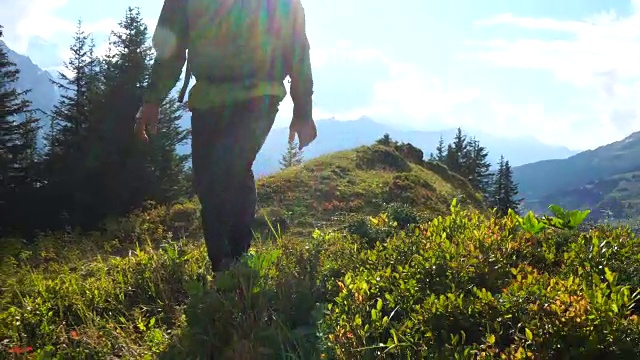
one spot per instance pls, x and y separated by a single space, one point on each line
415 96
410 96
598 55
23 19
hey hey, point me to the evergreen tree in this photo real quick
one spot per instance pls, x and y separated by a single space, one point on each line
497 186
504 191
467 158
121 176
510 189
124 171
18 152
28 156
69 138
440 152
168 168
476 167
385 140
291 157
455 153
71 115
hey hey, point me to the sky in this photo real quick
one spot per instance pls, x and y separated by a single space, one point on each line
564 72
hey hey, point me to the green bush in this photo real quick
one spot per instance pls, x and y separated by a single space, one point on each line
466 285
463 286
403 215
378 157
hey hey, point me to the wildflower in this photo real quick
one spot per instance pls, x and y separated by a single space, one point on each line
19 350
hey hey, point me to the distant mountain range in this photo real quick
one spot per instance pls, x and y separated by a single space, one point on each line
605 180
333 135
43 94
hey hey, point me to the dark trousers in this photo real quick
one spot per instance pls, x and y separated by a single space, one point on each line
225 142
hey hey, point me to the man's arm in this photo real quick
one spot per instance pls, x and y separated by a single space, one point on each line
298 65
170 41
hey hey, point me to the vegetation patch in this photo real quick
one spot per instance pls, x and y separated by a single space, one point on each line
466 285
378 157
322 192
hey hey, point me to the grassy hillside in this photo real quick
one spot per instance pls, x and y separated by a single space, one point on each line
327 191
432 280
549 180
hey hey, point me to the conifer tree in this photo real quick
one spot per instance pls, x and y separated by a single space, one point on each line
455 153
167 166
510 189
467 158
292 156
66 160
440 151
18 153
71 115
125 171
119 170
385 140
476 167
505 190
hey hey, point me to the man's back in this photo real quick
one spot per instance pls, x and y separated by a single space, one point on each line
238 49
235 40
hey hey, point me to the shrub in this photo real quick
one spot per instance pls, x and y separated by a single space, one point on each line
403 214
462 286
467 285
378 157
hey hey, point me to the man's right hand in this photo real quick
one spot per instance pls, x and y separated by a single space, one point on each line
147 116
306 131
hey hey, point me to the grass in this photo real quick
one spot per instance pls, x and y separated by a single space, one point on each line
408 282
323 191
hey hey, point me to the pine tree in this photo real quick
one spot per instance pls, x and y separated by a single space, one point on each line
126 172
66 160
71 115
167 166
292 156
510 189
454 155
504 191
476 167
497 186
440 152
18 153
385 140
121 176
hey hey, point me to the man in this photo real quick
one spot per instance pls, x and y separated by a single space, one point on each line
240 52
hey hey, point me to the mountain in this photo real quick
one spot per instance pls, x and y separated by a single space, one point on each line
43 95
335 135
601 179
44 53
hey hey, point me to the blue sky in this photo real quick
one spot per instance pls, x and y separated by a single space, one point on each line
564 72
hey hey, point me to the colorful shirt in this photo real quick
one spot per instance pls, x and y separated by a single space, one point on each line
173 37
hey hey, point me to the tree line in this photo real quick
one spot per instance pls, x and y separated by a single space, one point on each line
92 167
467 158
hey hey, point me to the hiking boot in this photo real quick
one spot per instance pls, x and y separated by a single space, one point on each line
224 265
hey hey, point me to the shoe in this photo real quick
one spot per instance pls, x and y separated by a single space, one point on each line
224 265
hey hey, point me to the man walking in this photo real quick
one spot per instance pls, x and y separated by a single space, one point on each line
240 52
